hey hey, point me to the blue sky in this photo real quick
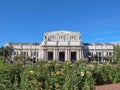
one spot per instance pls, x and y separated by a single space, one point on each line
27 20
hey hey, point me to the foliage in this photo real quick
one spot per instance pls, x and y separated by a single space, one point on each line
6 52
10 76
53 75
117 54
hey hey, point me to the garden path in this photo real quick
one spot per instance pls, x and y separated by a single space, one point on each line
108 87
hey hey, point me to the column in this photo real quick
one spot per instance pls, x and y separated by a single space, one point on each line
80 53
69 54
57 56
39 55
66 55
95 50
19 52
29 53
78 57
112 53
42 54
105 52
54 54
82 56
45 55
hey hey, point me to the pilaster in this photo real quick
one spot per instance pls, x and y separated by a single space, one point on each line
66 55
78 53
54 54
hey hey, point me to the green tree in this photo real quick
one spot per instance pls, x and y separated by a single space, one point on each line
22 58
6 52
117 53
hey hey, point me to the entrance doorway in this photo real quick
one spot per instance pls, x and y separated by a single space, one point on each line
50 55
61 56
73 56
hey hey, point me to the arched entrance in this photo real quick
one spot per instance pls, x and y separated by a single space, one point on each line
61 56
50 55
73 56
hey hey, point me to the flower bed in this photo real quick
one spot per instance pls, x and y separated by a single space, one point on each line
57 76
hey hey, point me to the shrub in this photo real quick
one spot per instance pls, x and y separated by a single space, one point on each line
10 76
57 75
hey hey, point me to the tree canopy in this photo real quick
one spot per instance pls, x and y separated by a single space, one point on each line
6 52
117 53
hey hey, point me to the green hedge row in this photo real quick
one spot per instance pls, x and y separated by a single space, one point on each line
57 76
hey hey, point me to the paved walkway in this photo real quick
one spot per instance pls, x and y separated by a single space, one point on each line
108 87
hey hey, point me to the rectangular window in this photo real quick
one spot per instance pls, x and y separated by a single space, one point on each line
110 54
34 53
14 53
99 54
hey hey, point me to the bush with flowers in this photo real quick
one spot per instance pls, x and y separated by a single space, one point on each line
10 76
54 75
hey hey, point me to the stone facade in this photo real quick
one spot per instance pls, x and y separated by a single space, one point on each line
61 46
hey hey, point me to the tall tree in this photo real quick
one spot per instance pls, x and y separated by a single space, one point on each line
22 58
2 52
117 53
6 52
